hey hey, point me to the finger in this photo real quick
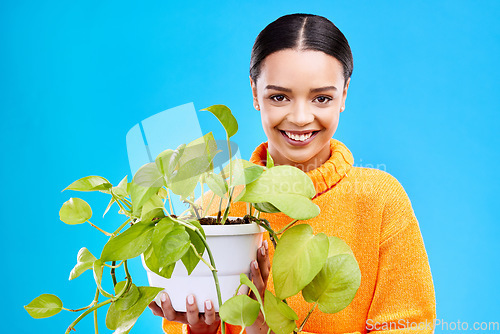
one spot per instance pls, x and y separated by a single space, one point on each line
257 278
167 309
155 309
209 312
264 263
192 315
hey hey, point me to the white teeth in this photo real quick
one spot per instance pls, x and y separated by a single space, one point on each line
301 137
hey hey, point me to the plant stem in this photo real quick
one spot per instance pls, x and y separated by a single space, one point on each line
100 229
214 274
96 301
202 197
287 226
307 317
204 212
84 314
113 276
170 202
226 211
201 258
193 206
265 224
121 227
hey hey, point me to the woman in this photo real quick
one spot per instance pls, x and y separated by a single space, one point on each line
300 73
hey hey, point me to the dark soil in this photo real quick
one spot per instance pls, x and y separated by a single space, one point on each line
232 221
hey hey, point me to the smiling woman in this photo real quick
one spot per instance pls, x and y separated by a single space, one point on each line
299 74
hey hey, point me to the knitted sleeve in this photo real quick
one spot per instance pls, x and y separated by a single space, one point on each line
404 295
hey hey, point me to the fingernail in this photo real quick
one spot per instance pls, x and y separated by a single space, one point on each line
190 300
208 304
163 297
262 251
255 265
265 244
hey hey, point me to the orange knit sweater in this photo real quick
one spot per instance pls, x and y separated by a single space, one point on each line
369 210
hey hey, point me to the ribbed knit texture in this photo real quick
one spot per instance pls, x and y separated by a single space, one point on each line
369 210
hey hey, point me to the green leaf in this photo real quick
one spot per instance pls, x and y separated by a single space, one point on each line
170 241
338 281
121 189
244 280
121 321
44 306
152 208
131 243
75 211
98 269
240 310
203 146
244 172
90 183
225 117
185 180
128 299
285 187
280 317
146 182
299 256
109 206
84 261
269 160
266 207
162 193
190 259
163 162
153 264
217 184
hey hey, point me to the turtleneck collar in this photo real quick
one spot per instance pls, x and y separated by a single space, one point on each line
325 176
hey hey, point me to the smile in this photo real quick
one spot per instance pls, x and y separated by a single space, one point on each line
298 139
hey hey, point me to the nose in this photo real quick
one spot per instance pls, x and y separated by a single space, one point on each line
301 115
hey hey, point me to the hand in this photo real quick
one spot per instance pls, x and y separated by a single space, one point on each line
205 323
259 270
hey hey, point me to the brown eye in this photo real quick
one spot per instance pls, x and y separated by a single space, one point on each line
323 99
278 98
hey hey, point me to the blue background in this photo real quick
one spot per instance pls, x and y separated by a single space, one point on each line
76 76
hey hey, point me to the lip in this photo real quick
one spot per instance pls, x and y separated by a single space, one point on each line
296 142
297 132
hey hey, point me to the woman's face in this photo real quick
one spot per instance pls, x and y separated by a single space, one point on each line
300 95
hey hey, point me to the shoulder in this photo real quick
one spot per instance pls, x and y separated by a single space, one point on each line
376 182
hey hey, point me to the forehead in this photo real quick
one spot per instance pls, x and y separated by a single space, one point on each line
301 68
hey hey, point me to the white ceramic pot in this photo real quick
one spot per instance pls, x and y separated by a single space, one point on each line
233 247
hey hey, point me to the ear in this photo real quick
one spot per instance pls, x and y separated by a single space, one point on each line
344 94
254 89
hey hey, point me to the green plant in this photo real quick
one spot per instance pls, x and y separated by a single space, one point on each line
163 239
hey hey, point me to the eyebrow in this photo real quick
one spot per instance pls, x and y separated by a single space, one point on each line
288 90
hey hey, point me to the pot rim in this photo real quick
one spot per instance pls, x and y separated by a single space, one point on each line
232 229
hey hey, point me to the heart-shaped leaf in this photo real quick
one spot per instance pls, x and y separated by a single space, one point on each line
280 317
170 241
153 264
299 257
44 306
131 243
285 187
84 261
217 184
121 189
338 281
190 259
75 211
240 310
225 117
152 208
146 182
90 183
128 299
122 321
